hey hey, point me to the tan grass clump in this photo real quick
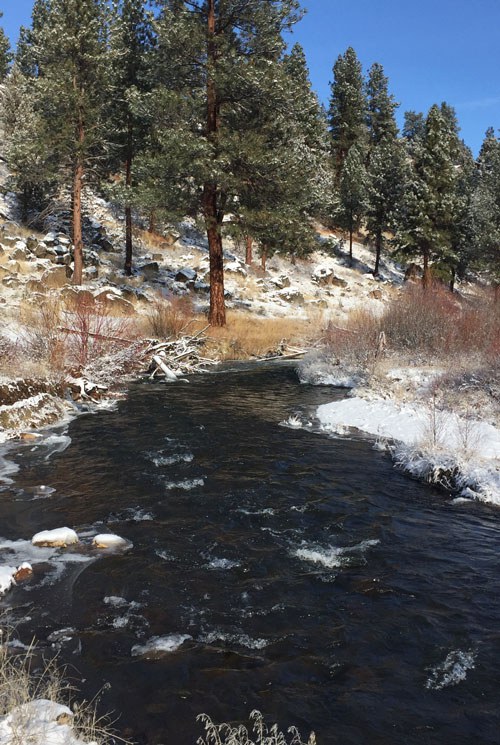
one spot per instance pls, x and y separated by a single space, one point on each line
246 336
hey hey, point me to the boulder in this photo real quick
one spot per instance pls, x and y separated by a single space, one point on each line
171 237
109 540
186 274
106 244
77 296
376 294
90 273
281 282
50 239
56 277
24 572
20 252
150 270
57 538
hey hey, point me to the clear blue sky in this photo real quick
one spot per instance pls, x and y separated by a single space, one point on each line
432 50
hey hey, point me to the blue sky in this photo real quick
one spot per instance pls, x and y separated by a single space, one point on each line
431 50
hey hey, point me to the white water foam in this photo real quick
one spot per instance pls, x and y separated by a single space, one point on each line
165 555
170 460
239 639
332 557
266 511
160 644
223 564
452 671
184 484
137 514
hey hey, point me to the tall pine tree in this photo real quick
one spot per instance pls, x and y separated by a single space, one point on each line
72 59
131 43
381 107
347 113
429 205
216 59
5 53
352 194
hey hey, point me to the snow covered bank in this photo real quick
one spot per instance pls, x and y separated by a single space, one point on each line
39 722
430 444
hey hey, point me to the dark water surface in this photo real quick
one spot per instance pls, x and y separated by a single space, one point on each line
311 580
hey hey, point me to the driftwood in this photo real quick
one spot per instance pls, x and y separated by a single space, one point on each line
175 358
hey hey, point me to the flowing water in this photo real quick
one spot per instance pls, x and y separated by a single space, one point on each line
271 568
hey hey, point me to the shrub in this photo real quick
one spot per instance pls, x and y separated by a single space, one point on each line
435 322
167 318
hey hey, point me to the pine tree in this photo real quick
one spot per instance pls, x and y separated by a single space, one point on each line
27 57
430 195
386 179
413 131
352 194
72 61
381 107
131 43
487 206
28 147
347 113
5 53
216 62
290 142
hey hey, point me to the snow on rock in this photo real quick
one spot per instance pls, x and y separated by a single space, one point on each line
39 722
10 575
434 445
7 574
57 538
110 540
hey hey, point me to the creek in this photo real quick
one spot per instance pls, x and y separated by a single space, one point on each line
273 568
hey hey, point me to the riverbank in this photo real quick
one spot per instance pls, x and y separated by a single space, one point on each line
423 379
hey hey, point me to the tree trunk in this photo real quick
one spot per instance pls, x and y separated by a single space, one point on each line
263 259
213 216
426 276
152 222
77 221
452 279
77 186
128 215
248 251
378 251
350 245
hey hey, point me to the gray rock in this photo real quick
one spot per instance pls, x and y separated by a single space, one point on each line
90 272
50 239
186 274
201 287
150 271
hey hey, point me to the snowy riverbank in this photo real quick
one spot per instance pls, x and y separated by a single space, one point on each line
437 446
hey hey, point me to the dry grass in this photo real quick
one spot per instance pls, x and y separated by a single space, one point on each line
26 677
167 318
260 733
246 336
